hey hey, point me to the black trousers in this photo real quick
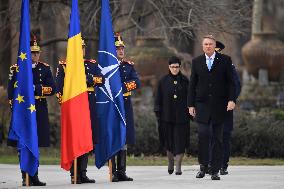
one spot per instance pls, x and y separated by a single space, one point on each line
210 142
82 163
226 149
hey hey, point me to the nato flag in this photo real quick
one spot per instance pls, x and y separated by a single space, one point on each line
110 105
23 124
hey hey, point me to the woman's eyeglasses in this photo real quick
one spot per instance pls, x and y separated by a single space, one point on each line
176 67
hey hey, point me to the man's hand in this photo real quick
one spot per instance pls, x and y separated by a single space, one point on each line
191 111
231 105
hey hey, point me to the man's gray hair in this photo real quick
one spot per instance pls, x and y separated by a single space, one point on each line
209 36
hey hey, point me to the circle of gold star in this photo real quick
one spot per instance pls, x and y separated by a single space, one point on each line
20 98
16 84
23 56
32 108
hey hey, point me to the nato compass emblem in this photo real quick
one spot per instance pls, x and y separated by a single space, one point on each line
111 76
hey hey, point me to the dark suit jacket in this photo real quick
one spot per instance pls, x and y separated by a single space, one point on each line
210 91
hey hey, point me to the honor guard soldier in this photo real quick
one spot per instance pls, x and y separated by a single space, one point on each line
94 79
43 86
130 82
229 121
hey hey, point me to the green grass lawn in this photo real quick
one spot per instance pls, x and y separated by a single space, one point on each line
52 157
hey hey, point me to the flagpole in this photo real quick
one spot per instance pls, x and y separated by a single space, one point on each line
75 171
110 170
27 179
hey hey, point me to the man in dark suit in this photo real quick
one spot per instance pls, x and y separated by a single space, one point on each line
211 95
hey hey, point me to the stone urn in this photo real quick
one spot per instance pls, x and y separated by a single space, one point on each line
264 51
150 56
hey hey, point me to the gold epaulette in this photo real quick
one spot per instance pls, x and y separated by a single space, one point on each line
128 61
62 62
44 63
91 61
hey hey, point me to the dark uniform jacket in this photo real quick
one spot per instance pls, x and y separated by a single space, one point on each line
130 82
93 78
43 86
229 121
210 91
171 99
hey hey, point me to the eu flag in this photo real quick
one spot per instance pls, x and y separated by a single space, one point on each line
23 124
110 105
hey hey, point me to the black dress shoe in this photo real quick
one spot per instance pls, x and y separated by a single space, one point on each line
36 182
114 178
200 174
170 171
178 173
85 179
208 170
77 182
215 176
124 177
224 171
24 183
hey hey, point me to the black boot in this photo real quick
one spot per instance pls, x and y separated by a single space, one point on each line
36 181
78 180
73 180
215 176
83 170
113 170
24 179
202 171
224 171
121 167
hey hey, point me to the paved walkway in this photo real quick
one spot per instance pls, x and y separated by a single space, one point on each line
154 177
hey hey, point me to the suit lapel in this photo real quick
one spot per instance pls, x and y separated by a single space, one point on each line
216 61
203 63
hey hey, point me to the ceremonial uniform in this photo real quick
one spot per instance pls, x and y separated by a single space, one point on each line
44 86
94 79
229 120
130 82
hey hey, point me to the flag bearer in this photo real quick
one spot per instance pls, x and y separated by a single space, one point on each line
94 79
130 82
43 86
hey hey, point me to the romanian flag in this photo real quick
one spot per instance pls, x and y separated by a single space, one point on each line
76 133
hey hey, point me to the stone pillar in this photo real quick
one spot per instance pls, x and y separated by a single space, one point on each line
263 77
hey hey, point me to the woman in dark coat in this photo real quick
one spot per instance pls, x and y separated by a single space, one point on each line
172 114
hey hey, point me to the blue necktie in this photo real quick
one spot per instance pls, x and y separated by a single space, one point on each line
209 64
